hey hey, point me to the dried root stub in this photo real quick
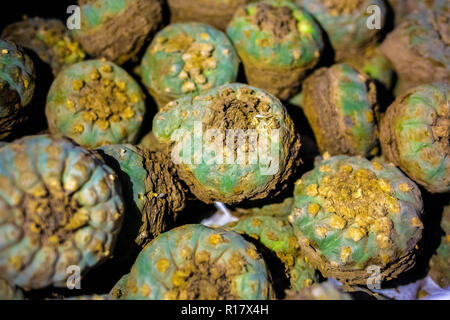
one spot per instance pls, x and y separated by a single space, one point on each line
95 103
419 48
340 105
117 29
415 133
9 291
346 23
277 235
351 214
49 39
60 205
17 82
230 144
194 262
187 58
153 194
278 43
217 13
440 262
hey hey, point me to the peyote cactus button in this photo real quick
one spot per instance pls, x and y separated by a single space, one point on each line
217 13
423 39
278 43
117 29
187 58
440 262
194 262
353 217
231 143
347 23
277 235
414 134
49 39
60 205
340 105
150 186
17 82
281 209
95 102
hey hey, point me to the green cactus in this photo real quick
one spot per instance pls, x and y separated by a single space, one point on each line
9 292
278 43
213 164
17 83
152 191
216 13
340 105
49 39
440 262
187 58
351 214
197 262
277 235
346 23
120 288
95 103
60 205
319 291
281 209
117 29
414 134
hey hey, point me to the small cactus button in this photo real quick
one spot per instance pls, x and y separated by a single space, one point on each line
187 58
415 132
60 207
17 82
440 262
278 43
281 209
194 262
95 103
230 144
340 104
351 214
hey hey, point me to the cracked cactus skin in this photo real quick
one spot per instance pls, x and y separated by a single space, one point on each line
345 22
342 96
423 38
414 134
219 171
277 235
9 292
278 43
156 195
350 214
440 262
117 29
49 39
60 205
187 58
95 103
17 83
194 262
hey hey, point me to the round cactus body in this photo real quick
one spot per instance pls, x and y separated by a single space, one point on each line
423 40
17 82
187 58
281 209
49 39
95 102
9 292
217 13
340 105
117 29
277 235
60 206
440 262
194 262
278 43
150 184
414 134
347 22
352 215
230 144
